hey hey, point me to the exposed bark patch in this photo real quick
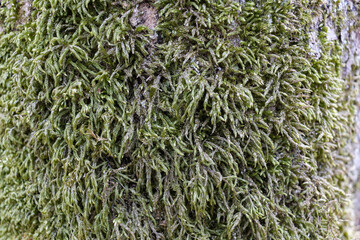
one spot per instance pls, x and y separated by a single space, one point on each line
314 41
347 34
350 36
144 14
235 39
24 12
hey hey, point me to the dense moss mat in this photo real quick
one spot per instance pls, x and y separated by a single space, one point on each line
171 120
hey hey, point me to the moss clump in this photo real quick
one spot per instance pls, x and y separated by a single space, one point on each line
211 120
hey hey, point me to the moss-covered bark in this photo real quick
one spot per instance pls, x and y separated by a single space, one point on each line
189 119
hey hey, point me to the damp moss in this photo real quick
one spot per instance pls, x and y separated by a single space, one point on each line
172 120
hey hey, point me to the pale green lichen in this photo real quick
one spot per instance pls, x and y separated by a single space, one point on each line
223 127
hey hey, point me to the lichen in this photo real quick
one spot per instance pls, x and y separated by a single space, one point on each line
172 120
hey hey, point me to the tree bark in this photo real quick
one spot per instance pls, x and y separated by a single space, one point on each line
189 119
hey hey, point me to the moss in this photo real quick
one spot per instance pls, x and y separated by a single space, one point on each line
172 120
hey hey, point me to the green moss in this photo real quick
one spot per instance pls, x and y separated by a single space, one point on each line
217 124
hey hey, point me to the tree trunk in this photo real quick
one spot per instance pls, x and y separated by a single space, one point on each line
189 119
